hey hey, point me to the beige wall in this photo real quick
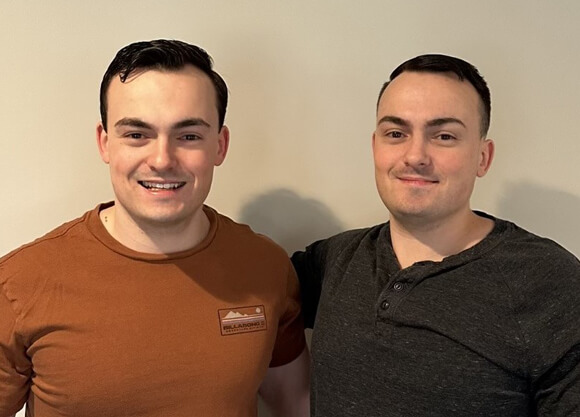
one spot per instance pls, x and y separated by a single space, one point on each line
303 77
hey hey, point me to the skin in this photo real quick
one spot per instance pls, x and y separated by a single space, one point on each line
428 152
161 145
286 389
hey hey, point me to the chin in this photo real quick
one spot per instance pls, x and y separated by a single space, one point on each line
403 210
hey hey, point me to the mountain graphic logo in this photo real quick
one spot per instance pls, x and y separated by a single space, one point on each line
238 320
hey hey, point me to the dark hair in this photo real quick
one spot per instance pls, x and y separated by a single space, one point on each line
162 54
444 63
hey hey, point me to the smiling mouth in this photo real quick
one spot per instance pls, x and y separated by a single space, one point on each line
161 186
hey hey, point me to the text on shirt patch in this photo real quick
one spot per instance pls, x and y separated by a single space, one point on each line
242 320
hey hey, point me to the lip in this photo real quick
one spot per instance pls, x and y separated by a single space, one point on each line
419 181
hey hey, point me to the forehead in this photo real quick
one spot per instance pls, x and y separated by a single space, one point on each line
154 89
414 95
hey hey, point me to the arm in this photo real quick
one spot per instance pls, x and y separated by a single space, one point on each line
286 389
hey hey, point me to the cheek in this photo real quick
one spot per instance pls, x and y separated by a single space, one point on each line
200 167
198 161
123 163
382 158
463 165
463 175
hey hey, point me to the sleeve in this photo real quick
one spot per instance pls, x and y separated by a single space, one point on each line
14 364
553 332
309 265
558 393
290 339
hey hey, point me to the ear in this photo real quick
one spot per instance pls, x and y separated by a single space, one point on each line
487 152
103 142
223 144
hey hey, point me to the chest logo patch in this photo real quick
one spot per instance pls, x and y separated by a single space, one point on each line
242 320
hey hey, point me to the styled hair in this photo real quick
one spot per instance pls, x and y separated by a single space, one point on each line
162 54
437 63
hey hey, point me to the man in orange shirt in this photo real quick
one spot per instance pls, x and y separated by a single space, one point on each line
153 304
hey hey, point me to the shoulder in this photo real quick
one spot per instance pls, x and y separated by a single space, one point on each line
544 281
350 241
534 269
521 250
29 267
46 246
245 241
537 270
340 249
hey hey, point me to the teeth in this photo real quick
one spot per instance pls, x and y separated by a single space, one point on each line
161 186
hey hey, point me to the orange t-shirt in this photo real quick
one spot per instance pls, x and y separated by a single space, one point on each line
89 327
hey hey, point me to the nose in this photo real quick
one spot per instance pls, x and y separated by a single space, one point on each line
417 153
162 155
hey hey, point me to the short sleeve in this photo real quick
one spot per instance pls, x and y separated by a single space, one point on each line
14 365
309 265
290 339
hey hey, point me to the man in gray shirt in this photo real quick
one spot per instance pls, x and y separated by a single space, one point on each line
441 311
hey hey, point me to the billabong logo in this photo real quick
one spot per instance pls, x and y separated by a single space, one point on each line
242 320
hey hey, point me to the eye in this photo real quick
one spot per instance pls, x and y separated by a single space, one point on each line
445 137
394 134
134 135
190 137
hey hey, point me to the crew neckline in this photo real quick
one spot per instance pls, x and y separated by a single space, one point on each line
98 230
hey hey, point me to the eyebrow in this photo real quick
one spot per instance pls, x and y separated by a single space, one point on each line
431 123
444 121
194 121
132 122
395 120
135 122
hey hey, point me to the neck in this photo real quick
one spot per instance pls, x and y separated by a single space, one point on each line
148 237
432 241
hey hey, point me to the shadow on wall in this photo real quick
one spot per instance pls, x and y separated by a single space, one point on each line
543 211
290 220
